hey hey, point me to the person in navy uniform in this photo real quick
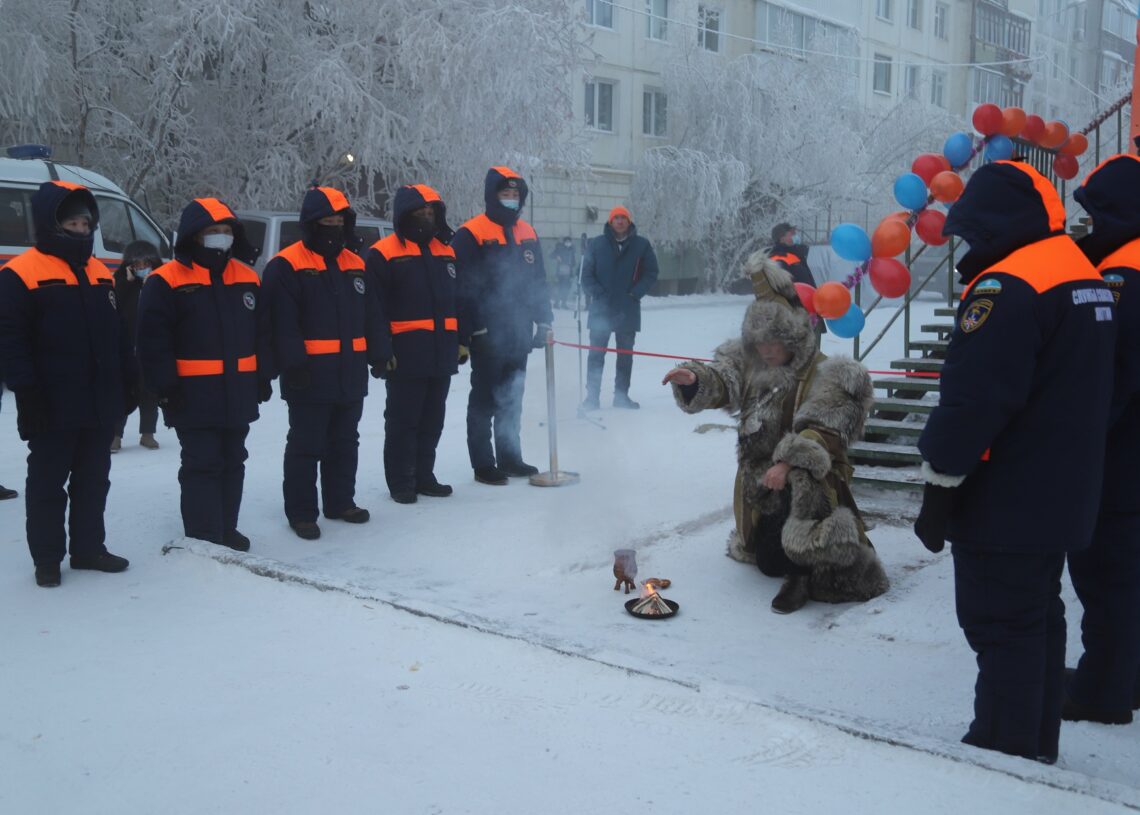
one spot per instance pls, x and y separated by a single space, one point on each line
1025 388
1105 687
66 355
326 329
504 283
204 345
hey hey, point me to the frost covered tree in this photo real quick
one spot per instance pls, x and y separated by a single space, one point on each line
253 99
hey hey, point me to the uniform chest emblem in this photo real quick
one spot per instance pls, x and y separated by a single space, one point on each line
249 300
976 314
111 298
990 286
528 256
358 284
1114 280
451 270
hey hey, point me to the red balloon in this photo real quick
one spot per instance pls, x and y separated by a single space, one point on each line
1056 133
806 294
832 300
929 227
891 237
1066 166
988 119
1013 121
1077 144
1034 128
889 277
929 165
947 187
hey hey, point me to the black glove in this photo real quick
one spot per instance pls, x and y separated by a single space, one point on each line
380 370
264 391
540 332
130 399
298 378
173 402
31 417
930 526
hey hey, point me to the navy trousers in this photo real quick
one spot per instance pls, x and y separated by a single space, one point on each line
1107 579
413 423
324 436
81 460
497 384
1010 609
212 475
596 362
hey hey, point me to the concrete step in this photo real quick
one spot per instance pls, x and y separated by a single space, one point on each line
870 452
945 311
890 404
907 383
942 329
892 427
918 364
906 479
931 347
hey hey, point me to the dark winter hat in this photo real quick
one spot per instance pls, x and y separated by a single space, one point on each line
74 206
1108 194
203 212
411 197
779 230
141 251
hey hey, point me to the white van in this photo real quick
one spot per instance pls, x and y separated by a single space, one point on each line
271 231
121 220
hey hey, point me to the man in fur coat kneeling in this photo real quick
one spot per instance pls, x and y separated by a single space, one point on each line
796 412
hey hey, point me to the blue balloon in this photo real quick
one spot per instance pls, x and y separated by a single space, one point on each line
910 191
958 149
849 325
999 148
851 242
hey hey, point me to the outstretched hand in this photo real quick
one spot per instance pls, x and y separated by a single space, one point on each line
679 376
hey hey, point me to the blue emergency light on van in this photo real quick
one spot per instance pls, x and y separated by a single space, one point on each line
29 151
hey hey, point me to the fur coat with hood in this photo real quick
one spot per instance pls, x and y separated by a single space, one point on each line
804 413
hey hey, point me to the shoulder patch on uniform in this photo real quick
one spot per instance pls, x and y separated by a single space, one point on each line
988 286
976 313
358 284
528 256
1114 280
451 270
249 300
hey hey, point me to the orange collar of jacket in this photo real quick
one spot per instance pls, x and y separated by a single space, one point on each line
1044 265
300 257
38 268
176 273
485 230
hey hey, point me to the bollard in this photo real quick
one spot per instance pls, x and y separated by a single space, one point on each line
553 477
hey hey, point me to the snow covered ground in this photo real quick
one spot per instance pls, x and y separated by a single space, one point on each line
469 654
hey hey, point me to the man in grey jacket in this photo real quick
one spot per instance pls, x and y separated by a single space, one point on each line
619 269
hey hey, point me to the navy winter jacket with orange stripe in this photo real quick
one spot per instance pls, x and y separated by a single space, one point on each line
416 278
326 316
617 276
501 272
1027 381
204 334
1109 195
61 333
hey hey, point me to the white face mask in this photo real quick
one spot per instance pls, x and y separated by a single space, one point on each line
221 242
510 203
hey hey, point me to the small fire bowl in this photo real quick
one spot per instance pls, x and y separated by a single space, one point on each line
629 604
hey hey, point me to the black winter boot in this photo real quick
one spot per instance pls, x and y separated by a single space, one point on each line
306 530
622 400
490 475
236 541
105 562
434 489
518 469
48 577
792 596
352 515
406 497
6 493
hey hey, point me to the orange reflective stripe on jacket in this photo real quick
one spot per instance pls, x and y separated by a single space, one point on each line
1127 255
300 257
1054 208
214 367
485 230
506 172
37 269
393 246
1043 265
336 198
427 193
67 185
317 347
789 258
176 273
216 209
403 326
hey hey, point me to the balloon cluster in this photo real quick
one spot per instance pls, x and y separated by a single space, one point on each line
999 126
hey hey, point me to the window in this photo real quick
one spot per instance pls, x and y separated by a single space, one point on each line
941 16
15 218
255 234
600 12
708 28
657 18
653 113
990 86
883 9
778 26
600 105
938 88
114 223
882 76
911 78
145 231
914 14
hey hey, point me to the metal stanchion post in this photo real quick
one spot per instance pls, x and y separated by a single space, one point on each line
554 477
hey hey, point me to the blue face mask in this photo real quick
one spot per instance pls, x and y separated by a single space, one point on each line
796 239
510 203
141 273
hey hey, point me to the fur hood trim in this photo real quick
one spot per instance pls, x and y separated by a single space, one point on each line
771 321
839 399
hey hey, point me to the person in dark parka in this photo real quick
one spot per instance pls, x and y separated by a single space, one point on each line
204 345
65 353
504 283
790 254
1025 388
1106 684
620 268
140 258
416 279
326 329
